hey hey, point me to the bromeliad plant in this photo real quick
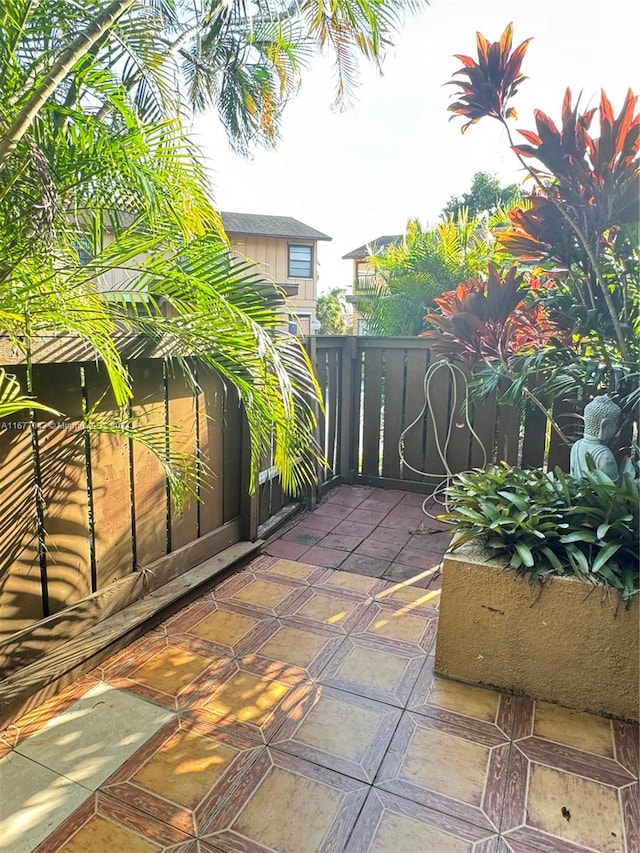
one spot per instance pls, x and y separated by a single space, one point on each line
549 524
579 223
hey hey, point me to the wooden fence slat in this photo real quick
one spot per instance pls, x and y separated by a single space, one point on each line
110 486
371 412
437 420
64 486
232 461
417 361
458 453
484 425
321 376
149 481
393 387
20 584
211 417
535 435
565 415
182 422
348 409
332 407
508 434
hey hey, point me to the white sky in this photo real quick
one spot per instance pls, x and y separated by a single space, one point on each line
394 154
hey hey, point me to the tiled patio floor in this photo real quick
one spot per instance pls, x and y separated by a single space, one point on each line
293 708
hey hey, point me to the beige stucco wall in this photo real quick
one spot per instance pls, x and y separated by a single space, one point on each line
566 642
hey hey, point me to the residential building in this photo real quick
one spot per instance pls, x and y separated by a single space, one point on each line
286 249
365 279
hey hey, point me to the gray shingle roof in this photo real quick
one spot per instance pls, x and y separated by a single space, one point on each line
373 246
261 225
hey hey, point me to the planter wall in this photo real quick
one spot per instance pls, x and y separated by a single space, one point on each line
565 642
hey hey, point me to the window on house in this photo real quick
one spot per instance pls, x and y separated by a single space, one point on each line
300 261
300 324
363 327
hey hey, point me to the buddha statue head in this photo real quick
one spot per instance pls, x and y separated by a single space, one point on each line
601 418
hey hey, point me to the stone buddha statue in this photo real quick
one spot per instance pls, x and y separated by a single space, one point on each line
601 417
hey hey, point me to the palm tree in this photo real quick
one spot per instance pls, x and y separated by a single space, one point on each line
93 101
427 263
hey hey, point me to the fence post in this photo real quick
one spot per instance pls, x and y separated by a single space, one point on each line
348 422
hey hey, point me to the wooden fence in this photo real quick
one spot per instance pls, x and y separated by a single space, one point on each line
86 523
374 389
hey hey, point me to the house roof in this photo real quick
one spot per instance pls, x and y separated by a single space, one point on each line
261 225
373 246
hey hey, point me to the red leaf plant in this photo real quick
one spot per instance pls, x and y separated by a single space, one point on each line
492 80
492 319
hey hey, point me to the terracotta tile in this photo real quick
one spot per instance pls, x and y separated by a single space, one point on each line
217 629
407 592
436 541
304 649
263 595
627 745
258 695
399 573
405 625
325 607
419 559
185 770
319 521
288 550
331 509
295 572
574 728
382 498
414 499
353 528
350 496
391 824
404 518
338 730
630 800
328 557
304 535
370 516
104 823
392 536
340 541
462 704
288 805
169 674
374 668
363 565
571 760
575 809
351 584
374 548
447 768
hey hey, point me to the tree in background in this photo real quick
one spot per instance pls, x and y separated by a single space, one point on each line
94 99
410 275
485 196
331 310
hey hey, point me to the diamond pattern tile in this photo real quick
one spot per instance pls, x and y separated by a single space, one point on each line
293 707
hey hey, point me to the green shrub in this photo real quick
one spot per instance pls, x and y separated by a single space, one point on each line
552 523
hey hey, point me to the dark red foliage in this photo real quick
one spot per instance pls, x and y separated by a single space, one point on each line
490 319
492 80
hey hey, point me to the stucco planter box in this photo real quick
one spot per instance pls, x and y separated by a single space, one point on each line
564 642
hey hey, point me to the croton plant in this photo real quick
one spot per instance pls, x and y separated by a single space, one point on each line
569 309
